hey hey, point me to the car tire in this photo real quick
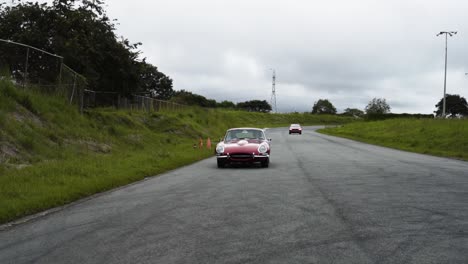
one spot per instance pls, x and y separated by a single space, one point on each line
221 163
265 163
289 133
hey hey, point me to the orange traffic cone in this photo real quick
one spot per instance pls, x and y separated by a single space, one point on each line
208 143
200 143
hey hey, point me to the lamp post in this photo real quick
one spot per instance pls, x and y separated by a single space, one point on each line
446 33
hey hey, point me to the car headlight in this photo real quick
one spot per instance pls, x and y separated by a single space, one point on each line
263 148
220 149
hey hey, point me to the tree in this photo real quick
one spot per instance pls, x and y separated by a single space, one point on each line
154 82
455 105
353 112
189 98
226 104
377 106
323 106
255 106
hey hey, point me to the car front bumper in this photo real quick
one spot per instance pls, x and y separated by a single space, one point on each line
295 131
243 158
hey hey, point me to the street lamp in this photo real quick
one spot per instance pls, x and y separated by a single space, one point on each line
447 33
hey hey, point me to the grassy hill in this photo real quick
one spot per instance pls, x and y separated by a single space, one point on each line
51 155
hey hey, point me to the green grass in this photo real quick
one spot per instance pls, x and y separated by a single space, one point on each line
54 183
51 155
440 137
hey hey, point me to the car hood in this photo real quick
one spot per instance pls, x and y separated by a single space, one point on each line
250 145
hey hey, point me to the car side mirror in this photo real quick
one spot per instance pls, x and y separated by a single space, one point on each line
220 139
269 140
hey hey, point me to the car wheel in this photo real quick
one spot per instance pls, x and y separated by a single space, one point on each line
221 163
265 163
289 132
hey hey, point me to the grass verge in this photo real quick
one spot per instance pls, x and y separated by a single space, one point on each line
446 138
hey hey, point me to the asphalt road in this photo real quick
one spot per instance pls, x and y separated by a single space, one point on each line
322 200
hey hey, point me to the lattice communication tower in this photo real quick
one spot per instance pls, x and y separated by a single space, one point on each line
273 93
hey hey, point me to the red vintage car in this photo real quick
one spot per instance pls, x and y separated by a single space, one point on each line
243 145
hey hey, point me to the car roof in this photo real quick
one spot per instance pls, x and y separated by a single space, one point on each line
239 128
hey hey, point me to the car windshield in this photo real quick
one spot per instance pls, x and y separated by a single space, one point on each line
244 134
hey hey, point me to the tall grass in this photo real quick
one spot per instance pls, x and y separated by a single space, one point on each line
441 137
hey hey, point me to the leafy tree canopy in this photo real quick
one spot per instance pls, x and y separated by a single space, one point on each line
323 106
353 112
226 104
377 106
154 82
455 105
189 98
255 106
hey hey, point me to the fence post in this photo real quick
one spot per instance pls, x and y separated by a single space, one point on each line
81 101
26 68
60 74
73 90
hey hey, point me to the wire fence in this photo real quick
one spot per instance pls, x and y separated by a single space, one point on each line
33 68
134 102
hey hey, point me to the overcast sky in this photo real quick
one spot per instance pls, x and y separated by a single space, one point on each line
342 50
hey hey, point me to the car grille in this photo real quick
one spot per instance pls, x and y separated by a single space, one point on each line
241 156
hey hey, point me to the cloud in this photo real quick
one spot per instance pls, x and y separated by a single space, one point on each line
346 51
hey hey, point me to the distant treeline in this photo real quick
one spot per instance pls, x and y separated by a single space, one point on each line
189 98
